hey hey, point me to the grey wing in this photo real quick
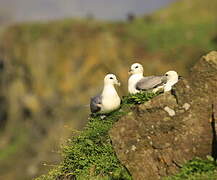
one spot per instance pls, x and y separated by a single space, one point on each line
94 103
150 82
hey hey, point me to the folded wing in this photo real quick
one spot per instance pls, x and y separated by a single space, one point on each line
150 82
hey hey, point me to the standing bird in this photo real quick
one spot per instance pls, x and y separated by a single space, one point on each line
137 82
109 100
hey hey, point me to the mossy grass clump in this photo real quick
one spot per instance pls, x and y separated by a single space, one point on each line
197 169
89 154
139 98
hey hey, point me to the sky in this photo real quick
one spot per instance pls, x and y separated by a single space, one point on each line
22 10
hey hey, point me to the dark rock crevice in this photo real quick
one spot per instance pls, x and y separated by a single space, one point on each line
213 125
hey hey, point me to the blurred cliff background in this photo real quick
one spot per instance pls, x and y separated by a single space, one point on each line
54 55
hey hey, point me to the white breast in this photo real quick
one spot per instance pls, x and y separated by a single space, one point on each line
168 86
110 99
132 83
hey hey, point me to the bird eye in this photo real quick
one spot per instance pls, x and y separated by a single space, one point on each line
166 74
111 78
136 66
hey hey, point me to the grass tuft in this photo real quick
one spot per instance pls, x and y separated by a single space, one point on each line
139 98
197 169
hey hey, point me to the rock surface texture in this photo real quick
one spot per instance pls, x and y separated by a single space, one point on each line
157 137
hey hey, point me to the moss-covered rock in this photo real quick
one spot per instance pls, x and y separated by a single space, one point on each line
89 154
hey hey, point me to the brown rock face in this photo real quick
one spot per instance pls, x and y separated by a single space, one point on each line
172 128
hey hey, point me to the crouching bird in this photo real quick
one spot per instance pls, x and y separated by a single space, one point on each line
137 82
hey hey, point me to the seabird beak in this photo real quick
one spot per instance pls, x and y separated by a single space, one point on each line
130 72
118 83
180 77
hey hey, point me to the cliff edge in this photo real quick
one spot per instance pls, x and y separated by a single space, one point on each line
156 138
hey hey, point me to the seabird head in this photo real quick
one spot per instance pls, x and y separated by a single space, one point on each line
111 79
172 76
136 68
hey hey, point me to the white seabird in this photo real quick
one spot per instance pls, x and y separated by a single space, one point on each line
172 78
108 100
137 82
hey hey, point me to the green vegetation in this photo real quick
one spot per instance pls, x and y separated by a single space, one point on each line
68 51
89 154
138 98
197 169
157 36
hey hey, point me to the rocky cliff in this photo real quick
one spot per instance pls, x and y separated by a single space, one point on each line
158 137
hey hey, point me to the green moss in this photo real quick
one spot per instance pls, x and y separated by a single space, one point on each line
197 169
89 154
139 98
